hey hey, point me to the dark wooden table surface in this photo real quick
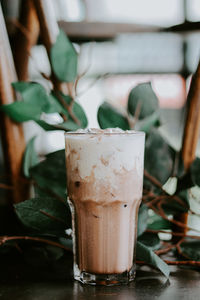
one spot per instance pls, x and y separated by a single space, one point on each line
22 280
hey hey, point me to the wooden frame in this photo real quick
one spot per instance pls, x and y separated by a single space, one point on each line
11 132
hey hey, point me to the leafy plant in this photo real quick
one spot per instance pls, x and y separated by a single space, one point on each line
47 215
64 59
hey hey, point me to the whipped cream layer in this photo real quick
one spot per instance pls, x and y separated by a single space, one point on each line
95 151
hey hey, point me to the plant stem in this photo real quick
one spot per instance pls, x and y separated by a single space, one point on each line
165 250
171 262
99 77
153 180
67 107
159 211
181 234
5 239
50 192
51 217
5 186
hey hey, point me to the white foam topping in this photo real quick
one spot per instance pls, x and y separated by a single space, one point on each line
98 153
103 131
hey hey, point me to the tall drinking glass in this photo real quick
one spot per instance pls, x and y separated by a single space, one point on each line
104 183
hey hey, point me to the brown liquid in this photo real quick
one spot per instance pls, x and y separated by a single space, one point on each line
105 226
105 236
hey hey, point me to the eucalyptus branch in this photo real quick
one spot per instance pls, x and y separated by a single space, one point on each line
165 250
50 192
4 239
25 32
136 115
51 217
170 247
67 107
178 223
176 164
153 180
70 91
178 248
171 262
193 212
78 80
183 262
160 212
89 54
45 76
93 83
156 198
18 248
6 186
158 184
181 234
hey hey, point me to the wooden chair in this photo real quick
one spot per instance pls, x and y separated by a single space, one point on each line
11 132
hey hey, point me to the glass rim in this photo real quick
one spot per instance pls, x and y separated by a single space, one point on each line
125 133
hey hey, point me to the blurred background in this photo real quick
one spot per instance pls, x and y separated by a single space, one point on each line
122 43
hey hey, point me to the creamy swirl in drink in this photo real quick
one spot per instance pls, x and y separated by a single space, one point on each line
104 182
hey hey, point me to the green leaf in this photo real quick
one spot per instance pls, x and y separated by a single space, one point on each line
33 94
20 111
149 186
109 117
195 172
64 58
30 158
191 249
142 97
183 195
54 253
149 122
67 242
187 179
21 86
145 254
39 192
54 105
180 169
160 224
50 174
158 157
178 206
67 126
150 240
43 256
185 182
44 214
77 110
142 219
35 100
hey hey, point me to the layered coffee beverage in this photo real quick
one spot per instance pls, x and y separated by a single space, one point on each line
104 184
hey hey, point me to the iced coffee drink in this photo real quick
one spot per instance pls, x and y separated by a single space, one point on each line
104 184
